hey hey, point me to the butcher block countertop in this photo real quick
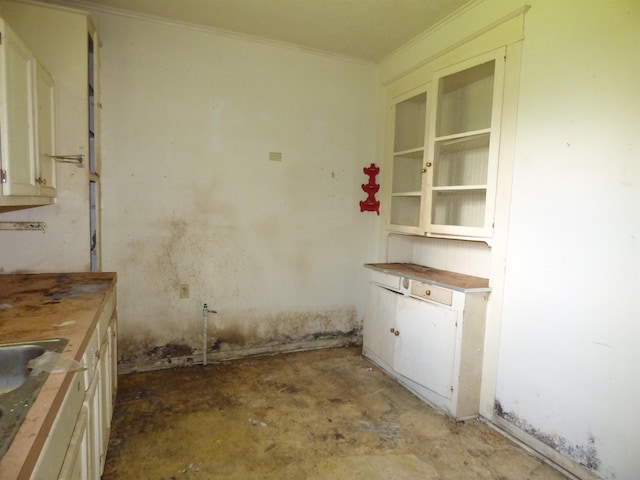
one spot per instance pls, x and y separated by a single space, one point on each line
38 307
433 276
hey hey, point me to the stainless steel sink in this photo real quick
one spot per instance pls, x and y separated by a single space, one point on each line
13 365
20 385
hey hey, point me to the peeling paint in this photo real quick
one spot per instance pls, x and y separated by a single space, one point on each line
585 455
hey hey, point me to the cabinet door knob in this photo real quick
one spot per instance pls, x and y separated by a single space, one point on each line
396 333
427 292
424 170
392 330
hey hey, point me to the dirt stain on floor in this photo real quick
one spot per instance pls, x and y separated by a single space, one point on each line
323 414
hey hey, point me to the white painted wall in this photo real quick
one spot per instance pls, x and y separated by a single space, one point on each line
189 118
569 362
58 39
189 196
561 358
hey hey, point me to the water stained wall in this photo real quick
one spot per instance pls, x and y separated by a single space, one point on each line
241 333
191 195
585 454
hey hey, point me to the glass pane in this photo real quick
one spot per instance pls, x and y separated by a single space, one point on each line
463 161
410 123
407 173
405 211
93 224
460 208
465 100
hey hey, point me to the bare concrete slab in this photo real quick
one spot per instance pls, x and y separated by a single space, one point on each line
322 414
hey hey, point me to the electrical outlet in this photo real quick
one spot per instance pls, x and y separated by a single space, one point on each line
184 290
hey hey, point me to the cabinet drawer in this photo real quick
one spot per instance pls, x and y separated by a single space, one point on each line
386 280
437 294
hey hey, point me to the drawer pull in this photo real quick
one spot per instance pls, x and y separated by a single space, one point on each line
396 333
427 292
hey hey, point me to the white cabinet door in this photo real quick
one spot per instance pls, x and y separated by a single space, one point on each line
463 146
76 461
18 123
45 139
94 426
105 396
380 319
426 344
408 162
113 355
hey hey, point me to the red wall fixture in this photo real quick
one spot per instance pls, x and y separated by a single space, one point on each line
371 188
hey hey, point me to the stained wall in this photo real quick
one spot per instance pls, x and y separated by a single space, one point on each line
561 350
189 118
568 346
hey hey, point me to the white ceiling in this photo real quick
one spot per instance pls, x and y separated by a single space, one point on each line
367 30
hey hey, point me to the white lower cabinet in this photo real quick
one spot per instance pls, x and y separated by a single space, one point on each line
76 447
433 347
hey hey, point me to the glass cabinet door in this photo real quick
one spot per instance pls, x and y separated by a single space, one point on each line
442 151
410 113
463 148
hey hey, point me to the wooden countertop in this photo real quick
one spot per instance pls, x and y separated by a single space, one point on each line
39 307
442 278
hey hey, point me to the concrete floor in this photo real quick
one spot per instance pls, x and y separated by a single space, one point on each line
323 414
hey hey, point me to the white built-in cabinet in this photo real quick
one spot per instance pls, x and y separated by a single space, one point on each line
429 337
76 446
443 151
27 125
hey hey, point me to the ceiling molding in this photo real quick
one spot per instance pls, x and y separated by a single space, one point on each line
87 6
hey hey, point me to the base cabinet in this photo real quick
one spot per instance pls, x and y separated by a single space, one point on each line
433 346
77 444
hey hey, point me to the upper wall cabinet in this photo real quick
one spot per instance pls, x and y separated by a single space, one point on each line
444 153
27 125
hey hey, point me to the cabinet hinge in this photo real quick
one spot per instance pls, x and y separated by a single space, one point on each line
3 176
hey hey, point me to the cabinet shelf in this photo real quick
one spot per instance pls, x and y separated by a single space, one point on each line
461 137
407 194
460 188
409 152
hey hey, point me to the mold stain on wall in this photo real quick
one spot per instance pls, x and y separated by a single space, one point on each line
240 331
585 455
